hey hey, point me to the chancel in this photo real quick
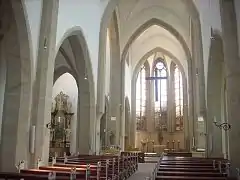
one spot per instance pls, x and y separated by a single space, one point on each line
94 89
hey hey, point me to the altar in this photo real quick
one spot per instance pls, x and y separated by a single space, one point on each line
159 148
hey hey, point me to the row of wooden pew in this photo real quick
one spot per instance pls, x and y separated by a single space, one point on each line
186 168
82 167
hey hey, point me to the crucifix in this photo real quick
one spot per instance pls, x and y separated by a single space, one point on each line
156 79
160 74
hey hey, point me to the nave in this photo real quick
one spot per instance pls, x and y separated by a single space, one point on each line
88 80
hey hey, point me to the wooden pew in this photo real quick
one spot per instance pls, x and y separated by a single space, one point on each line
19 176
112 167
179 167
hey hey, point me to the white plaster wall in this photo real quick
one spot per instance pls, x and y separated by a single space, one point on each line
33 13
237 7
107 66
85 15
67 84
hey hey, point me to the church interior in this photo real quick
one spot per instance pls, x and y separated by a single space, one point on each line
93 89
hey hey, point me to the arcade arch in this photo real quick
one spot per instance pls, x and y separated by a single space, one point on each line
72 57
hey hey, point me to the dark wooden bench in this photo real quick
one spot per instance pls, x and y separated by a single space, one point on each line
177 167
85 166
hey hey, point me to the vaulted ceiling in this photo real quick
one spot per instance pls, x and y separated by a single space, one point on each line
142 35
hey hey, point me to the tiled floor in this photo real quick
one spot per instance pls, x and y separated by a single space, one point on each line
144 170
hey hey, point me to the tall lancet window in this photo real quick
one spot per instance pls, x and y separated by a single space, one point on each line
178 89
160 95
141 99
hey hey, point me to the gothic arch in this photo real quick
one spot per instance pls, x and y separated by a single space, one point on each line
177 62
107 15
81 69
15 48
161 23
153 51
193 61
62 70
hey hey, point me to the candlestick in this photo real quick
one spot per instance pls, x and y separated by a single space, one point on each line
193 141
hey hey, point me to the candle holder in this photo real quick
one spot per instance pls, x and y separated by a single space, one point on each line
167 144
225 126
178 145
173 144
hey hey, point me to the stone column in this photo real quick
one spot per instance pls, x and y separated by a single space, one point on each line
42 95
84 135
171 101
149 123
3 69
152 103
193 90
133 111
122 106
232 72
115 85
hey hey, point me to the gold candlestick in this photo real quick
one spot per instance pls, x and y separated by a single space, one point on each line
167 144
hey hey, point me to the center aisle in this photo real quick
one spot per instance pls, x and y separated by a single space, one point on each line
144 170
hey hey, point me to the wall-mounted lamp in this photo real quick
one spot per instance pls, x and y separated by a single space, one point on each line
225 126
45 43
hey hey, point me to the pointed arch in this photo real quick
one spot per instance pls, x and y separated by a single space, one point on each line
80 68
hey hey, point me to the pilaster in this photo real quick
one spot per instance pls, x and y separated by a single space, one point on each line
232 71
42 95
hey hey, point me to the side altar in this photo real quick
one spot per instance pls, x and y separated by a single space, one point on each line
60 126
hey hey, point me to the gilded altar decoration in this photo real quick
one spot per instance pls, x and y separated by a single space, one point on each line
60 126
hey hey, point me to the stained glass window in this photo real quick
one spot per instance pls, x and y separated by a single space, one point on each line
178 89
141 99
